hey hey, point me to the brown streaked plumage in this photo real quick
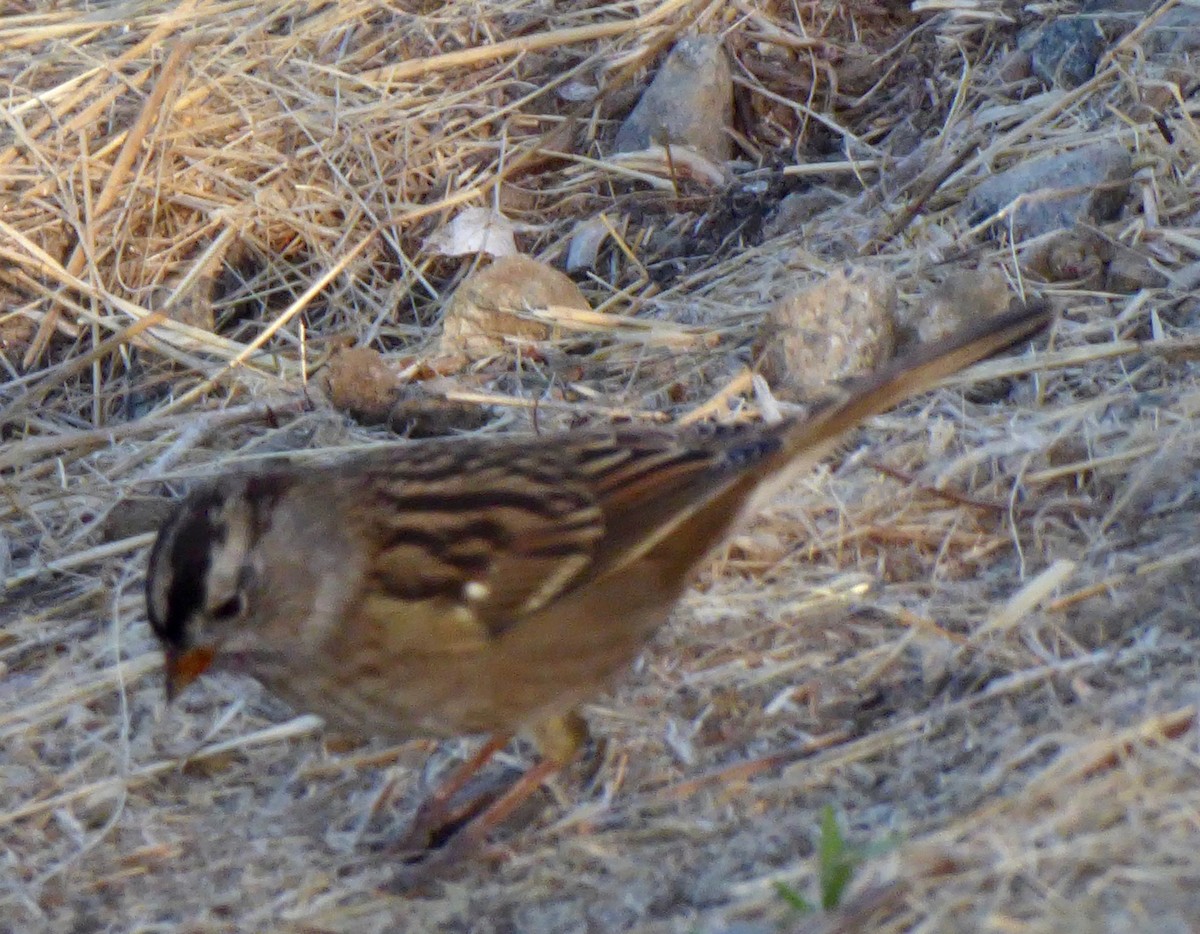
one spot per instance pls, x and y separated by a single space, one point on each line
482 585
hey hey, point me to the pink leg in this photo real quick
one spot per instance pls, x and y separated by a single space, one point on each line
435 811
475 834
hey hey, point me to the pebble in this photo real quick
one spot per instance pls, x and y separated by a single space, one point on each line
844 326
361 382
1088 260
1061 190
1176 33
482 317
1066 50
965 295
689 103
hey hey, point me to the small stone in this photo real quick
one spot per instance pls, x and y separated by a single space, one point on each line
1176 33
798 208
1088 260
1017 67
424 411
1077 256
964 296
16 332
195 308
131 517
1066 51
368 387
482 316
1119 7
361 382
210 765
1057 191
586 240
194 305
689 103
1129 271
1117 17
842 327
1186 278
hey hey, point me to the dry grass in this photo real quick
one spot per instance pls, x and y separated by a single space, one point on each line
974 634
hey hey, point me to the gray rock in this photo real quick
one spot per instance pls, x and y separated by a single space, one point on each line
1119 7
1056 191
1066 51
798 208
1130 271
1176 33
689 103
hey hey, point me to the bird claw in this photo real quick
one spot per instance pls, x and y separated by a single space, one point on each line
438 822
463 838
422 872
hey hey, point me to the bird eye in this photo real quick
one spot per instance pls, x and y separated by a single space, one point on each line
228 609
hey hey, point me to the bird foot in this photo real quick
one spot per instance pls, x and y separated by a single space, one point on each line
451 844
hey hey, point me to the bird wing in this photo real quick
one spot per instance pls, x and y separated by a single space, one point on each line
474 545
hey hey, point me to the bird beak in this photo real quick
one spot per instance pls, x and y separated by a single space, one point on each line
185 667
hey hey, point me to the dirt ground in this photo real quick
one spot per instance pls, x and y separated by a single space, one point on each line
972 633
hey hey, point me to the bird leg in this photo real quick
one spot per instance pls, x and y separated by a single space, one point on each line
559 740
436 814
419 876
471 837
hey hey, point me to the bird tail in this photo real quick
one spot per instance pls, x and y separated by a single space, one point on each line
680 522
807 440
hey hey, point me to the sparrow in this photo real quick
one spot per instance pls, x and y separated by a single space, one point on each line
485 584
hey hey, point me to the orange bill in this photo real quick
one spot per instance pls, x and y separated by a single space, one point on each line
185 667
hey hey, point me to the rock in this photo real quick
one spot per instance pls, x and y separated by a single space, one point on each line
1176 33
16 331
1119 7
1017 66
964 296
361 382
193 308
1186 278
481 317
187 294
1117 17
1060 190
689 103
424 411
368 387
1089 260
586 240
135 516
1066 50
1077 256
798 208
1129 271
842 327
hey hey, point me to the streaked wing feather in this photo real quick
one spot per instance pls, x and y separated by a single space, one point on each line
659 484
493 540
